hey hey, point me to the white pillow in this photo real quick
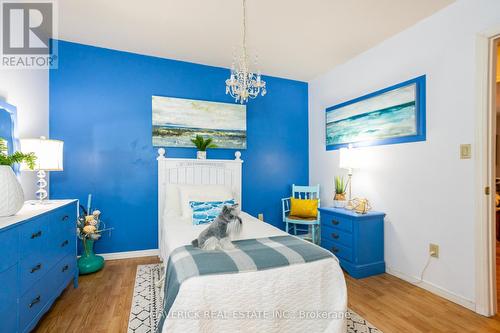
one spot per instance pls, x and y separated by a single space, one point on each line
189 193
172 201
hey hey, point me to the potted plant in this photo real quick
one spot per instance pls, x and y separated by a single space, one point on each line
11 192
202 145
340 189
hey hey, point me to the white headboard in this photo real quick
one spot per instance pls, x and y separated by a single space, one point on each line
196 172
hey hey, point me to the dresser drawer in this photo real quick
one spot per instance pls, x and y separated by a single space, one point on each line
63 244
8 300
64 271
33 235
10 248
337 249
31 270
8 317
8 283
335 221
33 301
63 218
337 236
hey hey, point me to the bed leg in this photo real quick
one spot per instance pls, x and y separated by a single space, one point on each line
163 276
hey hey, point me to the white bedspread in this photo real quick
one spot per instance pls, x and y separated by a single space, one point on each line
308 297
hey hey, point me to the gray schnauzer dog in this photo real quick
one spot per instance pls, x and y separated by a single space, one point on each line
218 234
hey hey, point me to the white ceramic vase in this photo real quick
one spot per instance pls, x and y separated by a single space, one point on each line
11 192
201 155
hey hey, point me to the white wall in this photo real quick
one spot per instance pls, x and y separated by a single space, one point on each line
28 90
425 189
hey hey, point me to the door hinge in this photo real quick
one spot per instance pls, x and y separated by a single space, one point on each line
487 190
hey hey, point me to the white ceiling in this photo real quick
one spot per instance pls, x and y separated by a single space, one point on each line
297 39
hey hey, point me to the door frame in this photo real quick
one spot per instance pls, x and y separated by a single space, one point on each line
486 299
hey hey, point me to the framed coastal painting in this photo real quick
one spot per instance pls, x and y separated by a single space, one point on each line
392 115
176 121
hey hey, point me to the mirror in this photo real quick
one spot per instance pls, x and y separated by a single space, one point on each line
8 127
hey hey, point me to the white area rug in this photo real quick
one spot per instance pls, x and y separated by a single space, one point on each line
147 305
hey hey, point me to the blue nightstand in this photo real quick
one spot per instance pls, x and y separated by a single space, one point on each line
356 239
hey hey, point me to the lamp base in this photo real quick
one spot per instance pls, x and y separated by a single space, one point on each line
41 193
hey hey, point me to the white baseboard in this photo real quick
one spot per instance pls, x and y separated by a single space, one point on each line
450 296
130 254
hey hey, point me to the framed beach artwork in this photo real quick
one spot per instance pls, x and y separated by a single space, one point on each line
176 121
392 115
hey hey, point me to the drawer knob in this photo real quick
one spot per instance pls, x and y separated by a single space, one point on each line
36 268
335 222
335 250
335 236
65 268
65 218
34 301
66 242
36 234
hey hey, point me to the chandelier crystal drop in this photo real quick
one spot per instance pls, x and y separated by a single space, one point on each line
244 84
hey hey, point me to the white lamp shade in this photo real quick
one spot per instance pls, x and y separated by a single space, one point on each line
348 159
49 153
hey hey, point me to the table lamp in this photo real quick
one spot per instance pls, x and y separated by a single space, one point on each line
348 161
49 157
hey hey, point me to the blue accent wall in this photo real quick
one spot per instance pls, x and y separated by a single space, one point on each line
100 105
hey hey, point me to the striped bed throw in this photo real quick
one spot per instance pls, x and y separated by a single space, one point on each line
249 255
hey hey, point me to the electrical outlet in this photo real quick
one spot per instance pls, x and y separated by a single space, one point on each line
261 216
434 250
465 151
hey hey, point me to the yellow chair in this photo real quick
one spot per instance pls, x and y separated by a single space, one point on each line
312 223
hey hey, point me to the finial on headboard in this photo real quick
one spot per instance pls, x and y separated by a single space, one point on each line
161 153
237 156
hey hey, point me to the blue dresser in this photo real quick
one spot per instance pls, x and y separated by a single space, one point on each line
357 240
37 263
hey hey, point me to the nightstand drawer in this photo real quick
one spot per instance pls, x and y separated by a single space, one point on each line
338 250
337 236
336 221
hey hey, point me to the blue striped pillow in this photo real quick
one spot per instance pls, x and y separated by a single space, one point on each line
205 212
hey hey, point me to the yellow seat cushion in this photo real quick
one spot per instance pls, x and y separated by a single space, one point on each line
305 208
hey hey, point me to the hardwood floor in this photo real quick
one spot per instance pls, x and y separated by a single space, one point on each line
102 303
393 305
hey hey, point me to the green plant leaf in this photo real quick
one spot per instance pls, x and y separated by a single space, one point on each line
201 144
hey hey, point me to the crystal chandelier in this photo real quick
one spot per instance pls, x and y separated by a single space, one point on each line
243 84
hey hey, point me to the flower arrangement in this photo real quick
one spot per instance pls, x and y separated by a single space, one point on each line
88 226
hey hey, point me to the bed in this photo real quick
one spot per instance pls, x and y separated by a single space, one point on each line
303 297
